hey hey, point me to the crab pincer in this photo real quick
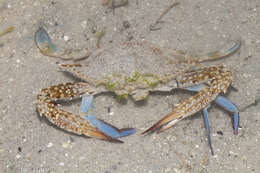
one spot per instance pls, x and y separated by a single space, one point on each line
171 119
104 127
84 123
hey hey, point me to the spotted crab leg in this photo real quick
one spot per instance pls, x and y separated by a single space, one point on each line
47 106
217 78
228 106
108 129
225 104
197 88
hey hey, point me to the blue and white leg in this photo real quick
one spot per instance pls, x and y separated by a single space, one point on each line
206 120
230 107
110 130
225 104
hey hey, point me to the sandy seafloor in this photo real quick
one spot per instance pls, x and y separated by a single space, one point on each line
29 144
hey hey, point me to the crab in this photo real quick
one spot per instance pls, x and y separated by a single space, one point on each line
140 69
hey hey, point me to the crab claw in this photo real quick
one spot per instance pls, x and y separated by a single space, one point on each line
179 113
163 124
75 123
104 127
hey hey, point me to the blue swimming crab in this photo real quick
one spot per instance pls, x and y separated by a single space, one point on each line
140 69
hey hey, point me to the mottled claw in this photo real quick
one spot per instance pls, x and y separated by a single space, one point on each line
169 120
218 80
78 124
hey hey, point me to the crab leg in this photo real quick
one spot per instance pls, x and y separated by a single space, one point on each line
230 107
47 106
48 48
217 78
225 104
221 53
206 120
85 108
197 88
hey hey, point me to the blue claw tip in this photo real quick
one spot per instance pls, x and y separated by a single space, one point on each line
107 128
103 127
127 132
